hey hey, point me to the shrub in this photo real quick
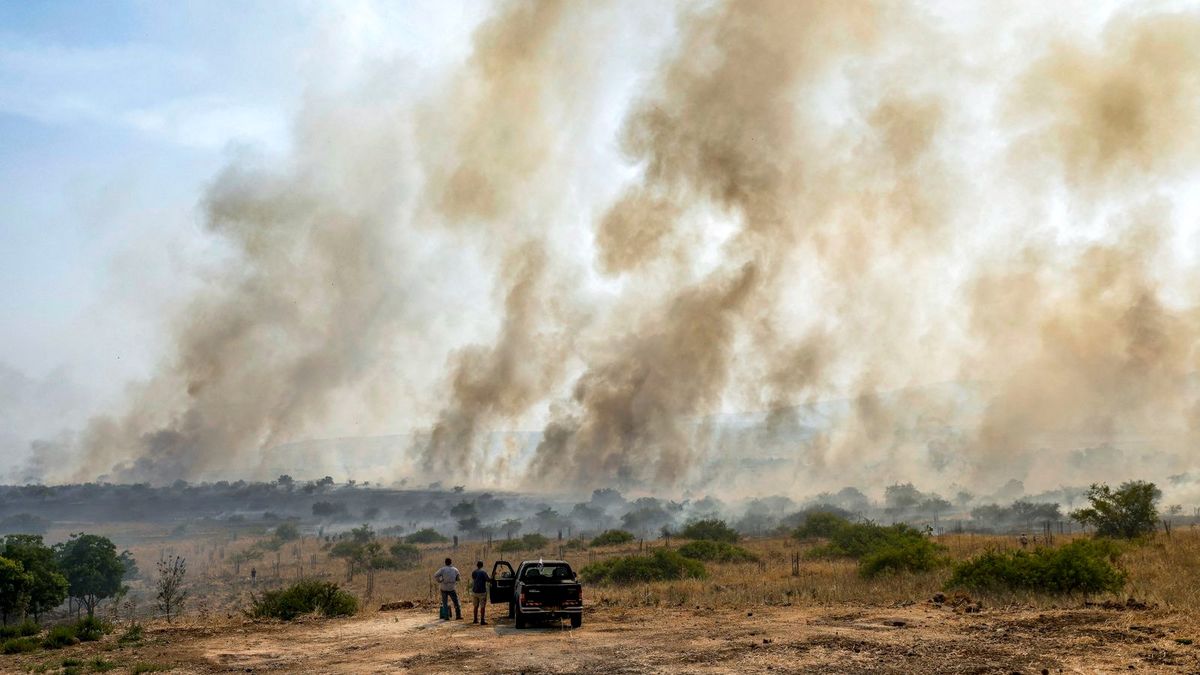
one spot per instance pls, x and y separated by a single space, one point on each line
304 597
529 542
90 629
822 524
99 665
60 636
716 551
23 629
613 538
426 536
139 668
661 566
878 549
20 645
1126 512
1082 566
712 530
404 556
916 555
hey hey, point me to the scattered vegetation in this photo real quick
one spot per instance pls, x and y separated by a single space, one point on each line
90 629
26 628
171 594
99 665
716 551
613 538
304 597
662 565
711 530
139 668
1082 566
132 635
1127 512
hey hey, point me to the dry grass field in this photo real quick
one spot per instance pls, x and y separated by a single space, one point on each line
748 617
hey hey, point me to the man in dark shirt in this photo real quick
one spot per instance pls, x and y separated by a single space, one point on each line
479 582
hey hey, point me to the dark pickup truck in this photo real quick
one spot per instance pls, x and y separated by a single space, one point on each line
538 589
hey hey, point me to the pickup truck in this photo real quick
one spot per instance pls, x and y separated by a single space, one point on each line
538 589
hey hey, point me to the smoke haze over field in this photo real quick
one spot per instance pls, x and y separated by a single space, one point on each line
745 247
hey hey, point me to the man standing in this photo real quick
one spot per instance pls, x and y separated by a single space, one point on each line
479 582
447 577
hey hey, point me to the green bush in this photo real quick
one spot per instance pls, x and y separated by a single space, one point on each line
712 530
529 542
304 597
918 555
716 551
1082 566
613 538
661 566
90 629
19 645
60 636
426 536
99 665
878 549
26 628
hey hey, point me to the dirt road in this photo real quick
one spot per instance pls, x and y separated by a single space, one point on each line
918 638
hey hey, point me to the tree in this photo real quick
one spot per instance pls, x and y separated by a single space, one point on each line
131 568
1127 512
92 568
510 527
15 585
171 593
49 586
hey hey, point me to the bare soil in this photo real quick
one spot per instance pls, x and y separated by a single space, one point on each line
922 638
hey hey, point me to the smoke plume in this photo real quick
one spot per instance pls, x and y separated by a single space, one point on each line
854 242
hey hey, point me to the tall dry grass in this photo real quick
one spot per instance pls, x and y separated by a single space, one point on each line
1162 570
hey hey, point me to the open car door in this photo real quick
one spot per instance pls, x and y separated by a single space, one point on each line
504 578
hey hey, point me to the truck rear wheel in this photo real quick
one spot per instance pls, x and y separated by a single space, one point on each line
576 620
520 619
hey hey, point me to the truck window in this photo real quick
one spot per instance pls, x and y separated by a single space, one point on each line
549 573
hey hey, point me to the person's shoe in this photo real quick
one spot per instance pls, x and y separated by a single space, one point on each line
458 618
483 623
474 620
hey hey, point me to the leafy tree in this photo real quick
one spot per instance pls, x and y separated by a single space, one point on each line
131 568
171 593
511 527
49 586
1127 512
405 555
712 530
92 568
822 524
15 585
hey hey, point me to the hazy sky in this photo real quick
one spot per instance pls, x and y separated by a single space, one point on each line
113 118
963 152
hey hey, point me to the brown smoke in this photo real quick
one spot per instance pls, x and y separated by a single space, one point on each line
806 229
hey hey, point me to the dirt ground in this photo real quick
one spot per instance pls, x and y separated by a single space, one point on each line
918 638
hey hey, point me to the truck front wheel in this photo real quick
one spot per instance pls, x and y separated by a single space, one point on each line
576 620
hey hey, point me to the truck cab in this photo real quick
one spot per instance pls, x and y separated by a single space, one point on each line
538 589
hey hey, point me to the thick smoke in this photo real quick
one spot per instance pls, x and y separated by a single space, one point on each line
846 242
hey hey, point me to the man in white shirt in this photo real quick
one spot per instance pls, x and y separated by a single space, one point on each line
447 578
